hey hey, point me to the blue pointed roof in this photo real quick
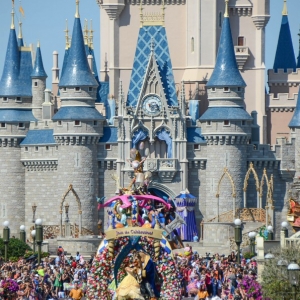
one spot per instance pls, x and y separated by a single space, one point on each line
226 72
285 56
11 67
76 71
295 121
162 55
38 69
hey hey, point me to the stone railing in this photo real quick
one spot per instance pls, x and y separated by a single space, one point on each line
245 214
292 240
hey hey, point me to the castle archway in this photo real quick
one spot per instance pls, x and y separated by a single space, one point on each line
157 187
247 176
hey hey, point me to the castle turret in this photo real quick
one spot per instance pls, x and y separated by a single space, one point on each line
285 56
77 129
15 117
39 77
226 127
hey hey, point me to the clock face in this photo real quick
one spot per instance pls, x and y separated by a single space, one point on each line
152 105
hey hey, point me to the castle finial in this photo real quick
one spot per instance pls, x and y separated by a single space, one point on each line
226 14
284 11
67 35
86 32
38 44
91 36
20 36
12 26
77 10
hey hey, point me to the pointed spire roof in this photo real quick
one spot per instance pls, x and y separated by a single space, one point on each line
285 56
295 121
226 72
20 36
76 71
11 67
38 69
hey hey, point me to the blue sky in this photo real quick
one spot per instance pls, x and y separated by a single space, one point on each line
45 21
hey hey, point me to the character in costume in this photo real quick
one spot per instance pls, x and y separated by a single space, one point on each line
129 287
149 274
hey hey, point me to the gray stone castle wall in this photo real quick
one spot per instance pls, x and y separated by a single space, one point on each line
38 97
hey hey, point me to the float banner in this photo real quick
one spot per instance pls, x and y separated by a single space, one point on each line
132 231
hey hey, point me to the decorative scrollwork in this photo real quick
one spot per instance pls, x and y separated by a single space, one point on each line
226 173
245 214
53 231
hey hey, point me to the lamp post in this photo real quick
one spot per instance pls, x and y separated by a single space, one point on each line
282 264
284 228
33 233
293 273
252 236
238 237
270 233
39 237
6 233
33 212
22 234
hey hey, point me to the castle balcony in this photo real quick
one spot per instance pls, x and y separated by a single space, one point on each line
165 167
241 54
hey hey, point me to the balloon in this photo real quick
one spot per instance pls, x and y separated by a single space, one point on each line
135 164
147 152
142 145
132 153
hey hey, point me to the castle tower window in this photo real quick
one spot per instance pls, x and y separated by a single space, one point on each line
35 83
3 125
26 149
95 123
226 89
243 123
239 89
90 89
107 146
64 89
208 123
293 129
5 99
226 123
220 19
213 89
56 148
77 123
19 99
21 125
77 89
196 146
36 149
59 123
192 44
241 41
47 148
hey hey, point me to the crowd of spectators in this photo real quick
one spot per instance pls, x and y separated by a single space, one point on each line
62 277
215 276
209 277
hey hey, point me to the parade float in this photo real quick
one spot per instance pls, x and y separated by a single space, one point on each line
135 259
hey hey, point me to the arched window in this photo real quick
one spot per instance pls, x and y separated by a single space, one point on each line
192 44
220 19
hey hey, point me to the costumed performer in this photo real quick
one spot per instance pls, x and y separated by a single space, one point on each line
129 287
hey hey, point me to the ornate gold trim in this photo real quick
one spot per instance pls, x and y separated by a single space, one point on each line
251 170
70 189
226 173
264 178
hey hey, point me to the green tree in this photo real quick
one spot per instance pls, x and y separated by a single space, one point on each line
16 248
275 282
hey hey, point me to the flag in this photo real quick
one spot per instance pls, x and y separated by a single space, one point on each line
21 11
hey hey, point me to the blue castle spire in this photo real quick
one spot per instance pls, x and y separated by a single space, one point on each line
12 65
298 59
285 56
76 71
20 36
295 121
38 69
226 72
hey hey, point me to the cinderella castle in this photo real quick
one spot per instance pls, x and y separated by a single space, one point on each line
186 79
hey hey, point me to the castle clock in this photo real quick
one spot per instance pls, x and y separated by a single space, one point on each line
152 105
